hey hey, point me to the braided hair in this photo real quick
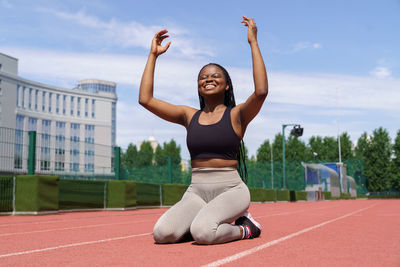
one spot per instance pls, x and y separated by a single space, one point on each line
229 101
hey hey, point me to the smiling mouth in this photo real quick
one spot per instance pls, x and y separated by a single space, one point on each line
209 86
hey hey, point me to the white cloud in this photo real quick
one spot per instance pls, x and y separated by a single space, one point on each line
381 72
303 46
316 45
134 34
298 47
365 103
324 90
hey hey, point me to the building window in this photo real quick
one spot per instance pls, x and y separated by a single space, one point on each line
30 98
93 107
96 87
45 145
43 101
89 148
79 107
86 107
58 103
32 124
23 96
64 104
19 142
60 146
18 86
36 99
74 147
50 98
72 105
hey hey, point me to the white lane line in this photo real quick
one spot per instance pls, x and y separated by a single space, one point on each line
70 228
71 245
276 241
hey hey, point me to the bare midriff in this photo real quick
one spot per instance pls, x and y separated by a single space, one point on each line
213 163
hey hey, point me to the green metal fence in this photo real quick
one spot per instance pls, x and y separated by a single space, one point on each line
37 153
260 175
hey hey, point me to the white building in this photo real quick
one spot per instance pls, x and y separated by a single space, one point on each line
76 127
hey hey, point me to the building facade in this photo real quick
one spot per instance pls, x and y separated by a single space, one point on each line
76 128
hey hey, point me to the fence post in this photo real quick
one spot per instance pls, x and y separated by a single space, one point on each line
32 152
117 162
169 170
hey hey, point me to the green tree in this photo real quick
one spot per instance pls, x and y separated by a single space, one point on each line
324 149
315 145
129 158
173 151
159 157
277 147
377 162
327 149
170 149
296 150
264 152
346 147
362 152
395 164
362 149
145 155
330 151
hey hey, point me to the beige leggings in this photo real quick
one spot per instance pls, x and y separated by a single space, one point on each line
215 198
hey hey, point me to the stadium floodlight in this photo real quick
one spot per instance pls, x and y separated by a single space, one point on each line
296 131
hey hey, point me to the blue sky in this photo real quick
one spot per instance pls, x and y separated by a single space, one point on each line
331 65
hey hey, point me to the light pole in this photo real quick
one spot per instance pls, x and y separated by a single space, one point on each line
296 131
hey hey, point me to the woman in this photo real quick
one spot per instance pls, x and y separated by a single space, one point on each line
217 196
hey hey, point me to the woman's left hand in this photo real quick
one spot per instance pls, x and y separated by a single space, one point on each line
252 29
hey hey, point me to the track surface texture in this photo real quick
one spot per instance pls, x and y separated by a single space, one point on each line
326 233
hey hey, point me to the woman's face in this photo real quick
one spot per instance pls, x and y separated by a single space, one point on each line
212 81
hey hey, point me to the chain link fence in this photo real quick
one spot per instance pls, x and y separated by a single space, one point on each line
24 152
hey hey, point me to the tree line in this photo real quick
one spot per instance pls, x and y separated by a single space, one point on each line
146 156
381 157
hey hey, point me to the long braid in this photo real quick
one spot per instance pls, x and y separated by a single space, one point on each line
229 101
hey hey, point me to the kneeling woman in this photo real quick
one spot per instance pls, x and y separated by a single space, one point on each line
217 195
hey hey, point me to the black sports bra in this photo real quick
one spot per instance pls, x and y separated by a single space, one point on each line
217 140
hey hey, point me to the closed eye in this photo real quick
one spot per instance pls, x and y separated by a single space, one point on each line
215 75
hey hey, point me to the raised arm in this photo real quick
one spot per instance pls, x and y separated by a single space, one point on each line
249 109
166 111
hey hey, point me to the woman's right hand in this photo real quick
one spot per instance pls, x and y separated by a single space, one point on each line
156 47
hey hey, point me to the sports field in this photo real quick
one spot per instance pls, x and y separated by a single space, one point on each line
325 233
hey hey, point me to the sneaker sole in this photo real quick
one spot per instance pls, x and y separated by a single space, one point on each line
248 215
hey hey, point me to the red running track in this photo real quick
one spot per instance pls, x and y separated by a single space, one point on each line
329 233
